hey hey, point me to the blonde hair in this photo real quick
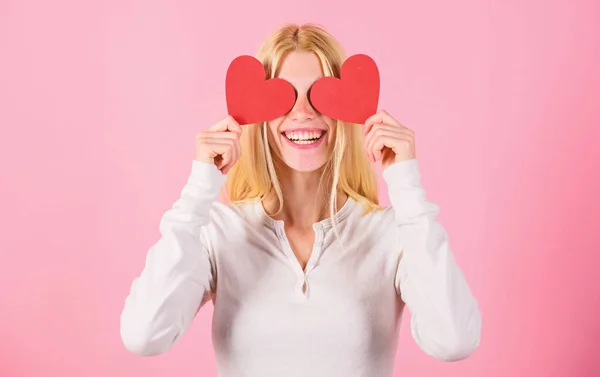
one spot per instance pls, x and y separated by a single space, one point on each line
348 170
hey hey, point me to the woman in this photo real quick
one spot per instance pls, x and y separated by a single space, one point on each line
308 274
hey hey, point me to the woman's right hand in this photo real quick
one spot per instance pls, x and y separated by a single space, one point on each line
220 144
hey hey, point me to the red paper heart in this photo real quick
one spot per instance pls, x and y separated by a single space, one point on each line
354 96
253 99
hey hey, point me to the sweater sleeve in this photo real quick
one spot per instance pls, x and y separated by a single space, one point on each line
178 275
445 318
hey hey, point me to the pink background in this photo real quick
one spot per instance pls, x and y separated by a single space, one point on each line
100 101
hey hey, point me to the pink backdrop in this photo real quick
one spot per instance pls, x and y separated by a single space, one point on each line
100 101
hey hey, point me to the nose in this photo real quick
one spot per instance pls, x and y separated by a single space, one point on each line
302 110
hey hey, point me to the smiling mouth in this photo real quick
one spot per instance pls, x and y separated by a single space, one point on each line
304 137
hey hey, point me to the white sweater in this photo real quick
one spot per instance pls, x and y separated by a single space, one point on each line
338 318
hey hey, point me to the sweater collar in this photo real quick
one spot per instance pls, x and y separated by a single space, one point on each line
340 216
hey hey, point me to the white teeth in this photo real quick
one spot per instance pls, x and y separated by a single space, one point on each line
303 137
304 141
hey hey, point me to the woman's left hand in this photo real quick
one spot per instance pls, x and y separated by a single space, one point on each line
387 140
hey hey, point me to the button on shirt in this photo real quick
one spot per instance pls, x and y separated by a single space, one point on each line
339 316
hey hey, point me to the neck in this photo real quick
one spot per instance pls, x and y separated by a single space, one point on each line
304 202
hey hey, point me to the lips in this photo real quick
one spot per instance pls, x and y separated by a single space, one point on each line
308 129
303 135
305 142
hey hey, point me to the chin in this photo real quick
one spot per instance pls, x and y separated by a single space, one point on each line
304 158
306 166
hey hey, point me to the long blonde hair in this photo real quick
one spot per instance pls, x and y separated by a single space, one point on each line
348 170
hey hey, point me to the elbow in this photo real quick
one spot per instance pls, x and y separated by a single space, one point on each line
457 350
466 341
142 339
138 345
457 343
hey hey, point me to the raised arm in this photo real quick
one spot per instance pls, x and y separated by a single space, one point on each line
178 276
445 318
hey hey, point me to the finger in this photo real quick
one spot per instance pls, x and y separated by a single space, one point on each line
234 153
391 128
221 155
385 138
369 140
370 122
237 152
225 160
378 128
228 167
375 136
227 124
233 125
222 148
216 135
381 116
366 142
385 117
213 138
222 137
397 145
380 142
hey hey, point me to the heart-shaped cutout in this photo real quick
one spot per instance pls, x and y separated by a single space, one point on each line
354 96
251 98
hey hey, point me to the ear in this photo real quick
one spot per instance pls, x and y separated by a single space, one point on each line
354 96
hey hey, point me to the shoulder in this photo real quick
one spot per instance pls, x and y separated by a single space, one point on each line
228 217
368 221
367 215
233 224
233 231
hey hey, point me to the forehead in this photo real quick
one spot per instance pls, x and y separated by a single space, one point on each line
300 66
